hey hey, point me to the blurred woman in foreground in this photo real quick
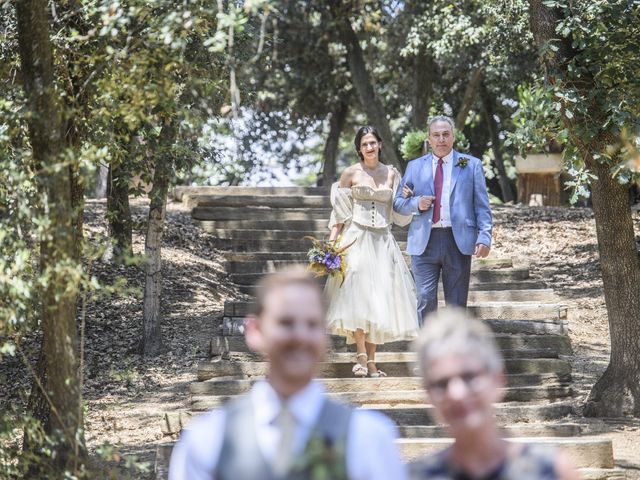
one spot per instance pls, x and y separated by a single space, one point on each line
463 373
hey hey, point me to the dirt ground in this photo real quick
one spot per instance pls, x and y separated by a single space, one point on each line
126 396
560 246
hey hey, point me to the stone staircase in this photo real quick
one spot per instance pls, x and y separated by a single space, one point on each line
261 228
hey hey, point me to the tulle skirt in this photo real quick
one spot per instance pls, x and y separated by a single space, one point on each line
378 294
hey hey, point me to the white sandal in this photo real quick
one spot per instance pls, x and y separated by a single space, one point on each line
377 374
358 370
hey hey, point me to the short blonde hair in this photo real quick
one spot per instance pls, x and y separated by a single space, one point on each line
454 330
284 277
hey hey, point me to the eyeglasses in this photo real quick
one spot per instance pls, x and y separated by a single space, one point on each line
472 381
369 145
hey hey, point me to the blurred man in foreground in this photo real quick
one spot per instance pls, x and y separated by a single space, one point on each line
286 427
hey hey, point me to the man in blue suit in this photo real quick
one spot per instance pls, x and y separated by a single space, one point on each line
447 195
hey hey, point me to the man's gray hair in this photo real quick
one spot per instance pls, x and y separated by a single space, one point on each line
454 331
441 118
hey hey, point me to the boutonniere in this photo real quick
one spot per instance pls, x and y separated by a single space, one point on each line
462 162
322 459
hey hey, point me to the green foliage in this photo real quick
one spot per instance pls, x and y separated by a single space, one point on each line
121 69
412 144
538 121
596 98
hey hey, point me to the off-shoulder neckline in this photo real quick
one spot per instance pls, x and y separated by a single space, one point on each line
370 187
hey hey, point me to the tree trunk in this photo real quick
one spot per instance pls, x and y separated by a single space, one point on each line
422 89
38 408
503 179
77 207
152 315
618 390
470 94
102 179
330 153
60 340
363 84
119 211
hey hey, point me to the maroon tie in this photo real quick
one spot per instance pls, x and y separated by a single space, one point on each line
438 188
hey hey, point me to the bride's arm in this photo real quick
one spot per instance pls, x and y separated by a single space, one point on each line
346 180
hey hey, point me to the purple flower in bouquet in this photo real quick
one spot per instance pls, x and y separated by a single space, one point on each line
327 257
331 261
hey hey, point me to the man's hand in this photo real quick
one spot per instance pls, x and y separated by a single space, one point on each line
425 202
482 251
406 191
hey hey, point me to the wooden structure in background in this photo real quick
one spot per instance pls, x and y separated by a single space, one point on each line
540 180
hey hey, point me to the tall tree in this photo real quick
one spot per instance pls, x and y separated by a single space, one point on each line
330 152
119 211
58 249
362 80
489 116
599 97
152 335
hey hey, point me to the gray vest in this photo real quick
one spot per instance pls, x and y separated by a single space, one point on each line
241 458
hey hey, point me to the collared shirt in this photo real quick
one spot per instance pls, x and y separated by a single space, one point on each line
196 455
445 209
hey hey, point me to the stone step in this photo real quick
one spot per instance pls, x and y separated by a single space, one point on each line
508 431
202 402
235 326
342 369
241 257
237 308
350 354
229 233
174 422
583 452
226 386
602 473
266 245
483 263
263 224
260 213
473 286
421 416
545 345
506 413
180 191
163 455
271 201
267 264
502 310
506 275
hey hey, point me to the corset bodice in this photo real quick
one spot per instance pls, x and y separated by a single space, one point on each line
372 206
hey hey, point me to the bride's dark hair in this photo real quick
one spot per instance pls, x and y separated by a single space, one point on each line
362 131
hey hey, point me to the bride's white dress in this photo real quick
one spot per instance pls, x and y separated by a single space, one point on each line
378 294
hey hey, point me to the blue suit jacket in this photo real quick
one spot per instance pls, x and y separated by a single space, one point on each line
469 204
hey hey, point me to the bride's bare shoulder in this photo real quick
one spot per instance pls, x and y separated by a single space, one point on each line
346 179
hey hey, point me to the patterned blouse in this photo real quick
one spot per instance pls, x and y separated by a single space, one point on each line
532 462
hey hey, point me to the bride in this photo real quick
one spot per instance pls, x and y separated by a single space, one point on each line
377 301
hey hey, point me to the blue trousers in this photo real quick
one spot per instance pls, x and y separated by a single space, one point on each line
441 255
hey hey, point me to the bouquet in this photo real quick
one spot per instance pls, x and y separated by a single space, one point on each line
327 258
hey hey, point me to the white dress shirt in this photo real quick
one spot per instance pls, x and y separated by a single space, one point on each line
445 210
371 450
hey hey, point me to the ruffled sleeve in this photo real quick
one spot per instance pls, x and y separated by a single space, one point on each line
342 203
397 218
